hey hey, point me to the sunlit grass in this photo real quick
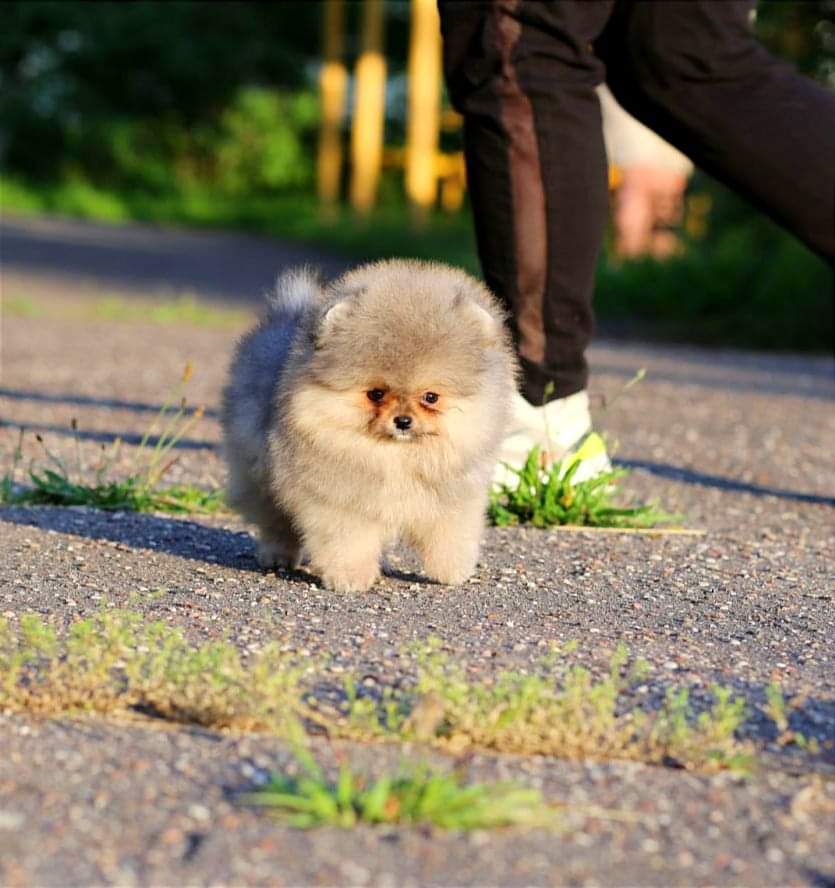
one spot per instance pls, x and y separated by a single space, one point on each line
185 310
118 662
51 488
564 710
547 493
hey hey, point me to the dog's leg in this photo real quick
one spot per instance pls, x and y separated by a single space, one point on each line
278 542
449 544
344 550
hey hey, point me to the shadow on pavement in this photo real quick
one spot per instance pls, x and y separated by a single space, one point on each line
800 378
688 476
819 880
172 536
132 438
90 401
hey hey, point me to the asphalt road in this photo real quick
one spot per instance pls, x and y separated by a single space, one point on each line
148 260
739 443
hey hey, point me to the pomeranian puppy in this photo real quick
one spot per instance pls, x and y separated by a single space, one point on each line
366 411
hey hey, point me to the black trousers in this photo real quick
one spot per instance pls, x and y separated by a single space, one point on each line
523 73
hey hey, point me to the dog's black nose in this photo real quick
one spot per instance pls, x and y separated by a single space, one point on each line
403 422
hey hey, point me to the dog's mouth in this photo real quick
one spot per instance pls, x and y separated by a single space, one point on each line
404 435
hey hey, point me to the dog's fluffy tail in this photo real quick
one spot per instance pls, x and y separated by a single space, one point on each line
294 291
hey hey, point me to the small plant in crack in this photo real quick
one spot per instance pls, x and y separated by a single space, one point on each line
53 482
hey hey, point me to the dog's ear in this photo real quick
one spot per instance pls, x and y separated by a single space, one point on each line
337 311
478 315
331 319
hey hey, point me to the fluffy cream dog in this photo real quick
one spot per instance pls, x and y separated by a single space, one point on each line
367 411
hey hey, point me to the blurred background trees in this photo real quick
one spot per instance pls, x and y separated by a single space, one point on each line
208 113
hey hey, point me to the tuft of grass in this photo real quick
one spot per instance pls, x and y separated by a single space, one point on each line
565 711
416 795
117 662
51 488
776 709
21 307
56 484
548 496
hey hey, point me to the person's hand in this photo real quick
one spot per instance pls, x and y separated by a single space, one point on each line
648 203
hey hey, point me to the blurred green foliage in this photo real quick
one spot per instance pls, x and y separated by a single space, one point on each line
260 141
745 285
162 94
157 95
116 90
802 31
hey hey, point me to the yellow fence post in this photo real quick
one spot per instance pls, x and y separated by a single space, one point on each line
369 109
424 106
333 80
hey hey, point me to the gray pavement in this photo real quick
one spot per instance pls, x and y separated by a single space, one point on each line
740 443
147 259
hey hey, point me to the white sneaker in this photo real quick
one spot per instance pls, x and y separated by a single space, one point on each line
561 429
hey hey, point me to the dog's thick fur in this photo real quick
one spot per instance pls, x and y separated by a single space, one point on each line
316 460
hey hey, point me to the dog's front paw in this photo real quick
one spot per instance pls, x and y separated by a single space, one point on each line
450 576
450 569
272 554
351 578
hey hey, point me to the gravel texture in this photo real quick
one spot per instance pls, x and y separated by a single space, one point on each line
741 444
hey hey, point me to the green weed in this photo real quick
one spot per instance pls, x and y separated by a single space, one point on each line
415 795
56 484
776 709
775 706
546 494
51 488
182 310
21 306
549 496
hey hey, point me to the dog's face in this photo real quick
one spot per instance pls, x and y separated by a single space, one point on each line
402 367
405 416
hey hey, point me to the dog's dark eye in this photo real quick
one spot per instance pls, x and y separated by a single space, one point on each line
430 397
376 394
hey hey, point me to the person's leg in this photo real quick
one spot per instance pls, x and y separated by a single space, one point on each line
522 72
694 72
